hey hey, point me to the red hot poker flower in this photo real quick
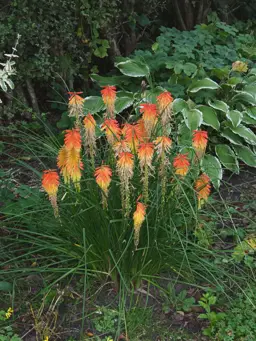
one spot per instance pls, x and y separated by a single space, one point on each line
109 96
164 103
73 139
138 219
203 189
75 104
200 139
103 177
149 116
112 130
181 164
50 183
145 154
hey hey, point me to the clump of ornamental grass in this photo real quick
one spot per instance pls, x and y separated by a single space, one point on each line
124 204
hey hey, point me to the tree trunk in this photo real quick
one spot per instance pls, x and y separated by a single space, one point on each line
32 95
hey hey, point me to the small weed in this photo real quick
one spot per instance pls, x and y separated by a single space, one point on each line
178 302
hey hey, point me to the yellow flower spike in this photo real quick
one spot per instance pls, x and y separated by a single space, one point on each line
138 219
103 176
109 97
9 313
239 66
203 189
50 183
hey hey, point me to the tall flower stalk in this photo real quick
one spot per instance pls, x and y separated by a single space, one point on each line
164 104
125 164
163 145
90 137
145 155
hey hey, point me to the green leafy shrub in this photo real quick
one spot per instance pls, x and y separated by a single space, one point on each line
239 323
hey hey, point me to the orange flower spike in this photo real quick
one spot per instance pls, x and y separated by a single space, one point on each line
112 130
62 163
75 104
50 183
138 219
164 100
181 164
163 144
103 176
164 103
199 142
89 124
149 116
121 147
109 97
145 154
73 139
203 189
133 135
125 165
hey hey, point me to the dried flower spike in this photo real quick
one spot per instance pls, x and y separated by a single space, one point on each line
145 155
90 136
164 103
75 105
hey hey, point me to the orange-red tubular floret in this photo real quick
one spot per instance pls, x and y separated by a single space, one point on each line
199 142
112 130
50 182
203 188
73 139
103 176
89 123
181 164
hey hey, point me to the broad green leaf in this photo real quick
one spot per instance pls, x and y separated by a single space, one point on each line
93 104
193 118
212 167
235 117
184 135
227 157
246 155
252 112
5 286
178 105
248 119
133 69
189 69
246 133
233 81
101 52
122 103
251 89
178 68
232 137
104 81
219 105
10 83
209 117
65 121
205 83
3 85
243 96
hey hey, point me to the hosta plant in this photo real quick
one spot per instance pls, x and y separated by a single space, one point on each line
224 106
